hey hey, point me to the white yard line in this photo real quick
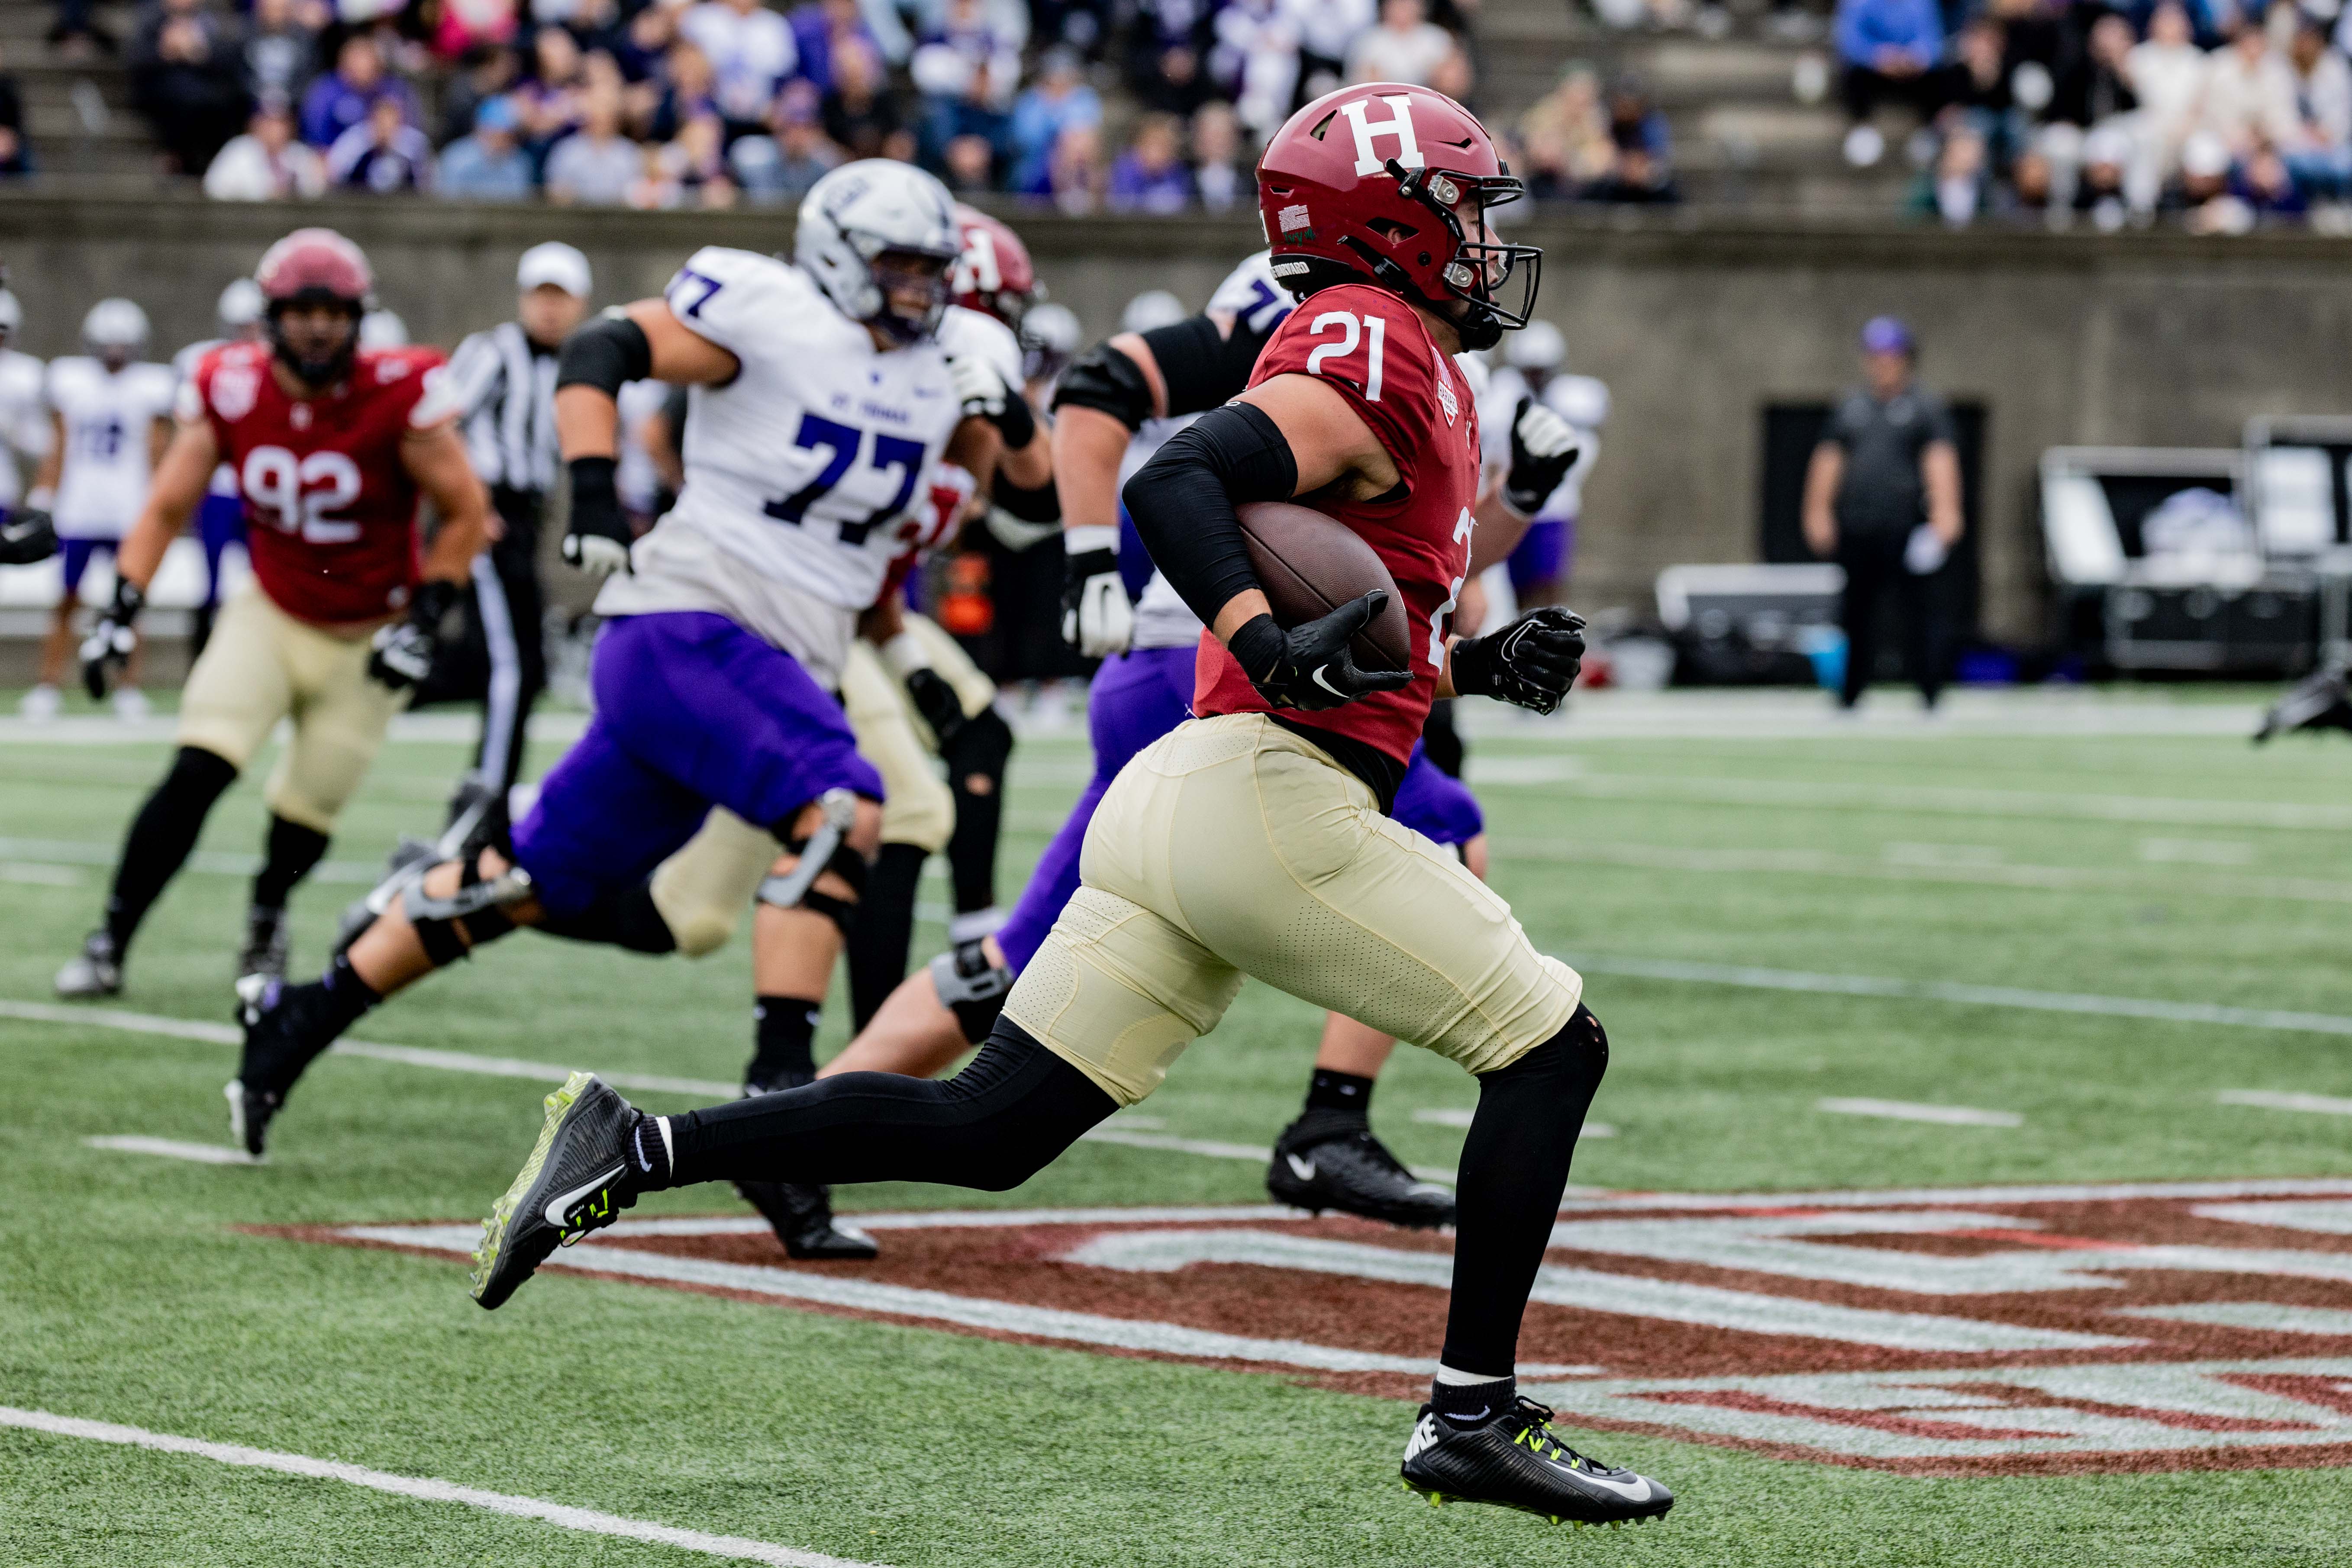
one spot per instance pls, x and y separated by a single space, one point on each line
40 858
1760 979
1907 1110
170 1149
2267 1100
1455 1116
2263 1317
734 1547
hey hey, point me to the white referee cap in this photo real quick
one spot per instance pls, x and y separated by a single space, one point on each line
557 263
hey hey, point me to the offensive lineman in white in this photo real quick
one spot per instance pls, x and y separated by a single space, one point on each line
25 433
1533 369
111 414
820 399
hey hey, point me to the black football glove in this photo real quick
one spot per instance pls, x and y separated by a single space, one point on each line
985 395
1311 667
1531 663
597 538
27 536
112 638
936 700
404 651
1543 449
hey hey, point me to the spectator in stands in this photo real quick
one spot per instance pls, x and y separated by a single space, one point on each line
1075 173
1059 99
1219 175
1643 170
187 78
482 73
968 68
549 102
1254 62
640 47
382 153
1151 175
2168 73
2097 86
968 165
780 167
16 147
2033 195
489 165
2250 92
344 96
465 25
821 25
1405 47
2319 156
1565 139
1984 93
1888 50
691 171
1955 188
597 164
751 51
860 115
1328 31
686 91
75 36
282 49
1165 69
2263 184
2110 156
268 162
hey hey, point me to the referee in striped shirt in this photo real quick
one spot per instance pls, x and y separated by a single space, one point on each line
506 381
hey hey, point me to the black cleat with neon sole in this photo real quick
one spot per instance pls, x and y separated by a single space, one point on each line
1515 1461
582 1174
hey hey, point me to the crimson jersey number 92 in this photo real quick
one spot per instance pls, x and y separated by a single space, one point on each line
298 495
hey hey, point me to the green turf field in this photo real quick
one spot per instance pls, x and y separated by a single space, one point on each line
2184 868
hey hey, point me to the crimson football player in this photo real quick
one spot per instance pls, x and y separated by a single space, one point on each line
332 446
1256 839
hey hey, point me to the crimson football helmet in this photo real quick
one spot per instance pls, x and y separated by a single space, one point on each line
992 273
315 267
1388 182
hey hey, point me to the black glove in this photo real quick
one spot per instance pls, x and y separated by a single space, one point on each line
985 395
1311 667
403 652
1531 663
1543 449
27 536
597 538
112 638
936 700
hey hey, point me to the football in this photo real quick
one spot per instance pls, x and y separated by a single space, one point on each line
1311 565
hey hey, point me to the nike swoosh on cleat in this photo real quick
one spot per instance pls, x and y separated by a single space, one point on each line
1303 1169
556 1205
1637 1491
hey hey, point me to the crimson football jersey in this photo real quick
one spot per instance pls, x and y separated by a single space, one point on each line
1371 348
329 509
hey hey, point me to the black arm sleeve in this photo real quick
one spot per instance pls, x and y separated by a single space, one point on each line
1203 367
1183 500
1043 504
604 355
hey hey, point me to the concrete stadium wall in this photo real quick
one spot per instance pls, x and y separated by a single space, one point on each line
2158 340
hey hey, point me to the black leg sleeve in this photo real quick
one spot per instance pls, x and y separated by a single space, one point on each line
992 1126
883 930
1514 1169
976 764
162 835
290 853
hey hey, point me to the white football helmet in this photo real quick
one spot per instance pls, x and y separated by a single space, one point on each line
382 329
854 214
1151 310
116 323
240 305
1536 346
12 315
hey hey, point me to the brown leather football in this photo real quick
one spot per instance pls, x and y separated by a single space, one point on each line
1311 565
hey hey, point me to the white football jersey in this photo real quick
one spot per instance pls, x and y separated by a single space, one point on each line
1578 399
24 420
795 470
108 416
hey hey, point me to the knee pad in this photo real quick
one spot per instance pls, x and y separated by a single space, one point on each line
827 849
983 745
971 988
480 905
631 921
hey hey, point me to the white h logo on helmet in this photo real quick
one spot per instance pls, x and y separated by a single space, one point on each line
1399 125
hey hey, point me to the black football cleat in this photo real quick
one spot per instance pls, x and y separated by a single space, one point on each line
1515 1461
1329 1160
802 1213
2318 702
267 944
250 1114
581 1174
95 971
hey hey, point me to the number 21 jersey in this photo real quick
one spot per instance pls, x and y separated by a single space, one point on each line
329 508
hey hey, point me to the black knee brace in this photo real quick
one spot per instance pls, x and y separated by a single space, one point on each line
971 988
827 849
630 921
450 929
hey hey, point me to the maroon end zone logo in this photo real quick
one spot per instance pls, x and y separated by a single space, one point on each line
1989 1330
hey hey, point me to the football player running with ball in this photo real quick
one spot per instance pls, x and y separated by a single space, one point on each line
1254 839
820 399
332 446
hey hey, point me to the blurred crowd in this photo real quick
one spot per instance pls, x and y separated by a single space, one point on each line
2218 114
708 103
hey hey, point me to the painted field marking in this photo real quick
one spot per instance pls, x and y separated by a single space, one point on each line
1759 979
171 1149
935 1306
1455 1116
53 854
2322 1216
1907 1110
2262 1316
963 1219
2265 1099
38 875
2195 852
734 1547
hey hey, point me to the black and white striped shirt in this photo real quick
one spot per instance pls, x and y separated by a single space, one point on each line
507 388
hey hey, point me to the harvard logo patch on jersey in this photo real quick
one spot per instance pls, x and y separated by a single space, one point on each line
234 386
1447 402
